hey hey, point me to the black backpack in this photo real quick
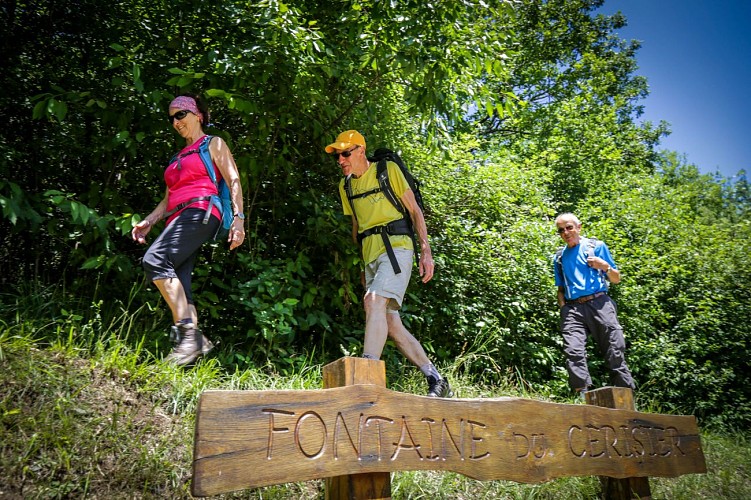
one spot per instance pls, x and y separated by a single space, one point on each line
402 226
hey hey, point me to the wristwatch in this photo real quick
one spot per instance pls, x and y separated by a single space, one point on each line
240 215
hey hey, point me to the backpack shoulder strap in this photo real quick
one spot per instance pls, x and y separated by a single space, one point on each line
559 266
559 258
350 195
591 245
382 173
205 154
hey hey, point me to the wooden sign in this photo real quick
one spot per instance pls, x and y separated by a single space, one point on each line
248 439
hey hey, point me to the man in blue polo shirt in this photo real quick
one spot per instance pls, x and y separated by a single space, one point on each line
582 269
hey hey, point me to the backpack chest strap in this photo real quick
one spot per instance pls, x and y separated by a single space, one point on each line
366 193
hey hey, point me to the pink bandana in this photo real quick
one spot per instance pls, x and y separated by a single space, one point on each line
187 103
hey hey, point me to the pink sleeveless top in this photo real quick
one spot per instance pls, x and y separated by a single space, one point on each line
186 178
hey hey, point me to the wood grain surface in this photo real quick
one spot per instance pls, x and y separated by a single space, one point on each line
248 439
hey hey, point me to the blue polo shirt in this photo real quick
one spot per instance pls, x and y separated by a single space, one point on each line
578 278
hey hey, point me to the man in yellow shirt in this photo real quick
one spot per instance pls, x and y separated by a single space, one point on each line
387 270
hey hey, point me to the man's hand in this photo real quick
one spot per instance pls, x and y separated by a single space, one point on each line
427 266
597 263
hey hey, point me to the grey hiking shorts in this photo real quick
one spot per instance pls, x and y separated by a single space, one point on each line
381 280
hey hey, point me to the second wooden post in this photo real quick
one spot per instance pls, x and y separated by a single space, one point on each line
620 398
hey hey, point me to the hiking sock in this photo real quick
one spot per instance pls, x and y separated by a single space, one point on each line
369 356
430 371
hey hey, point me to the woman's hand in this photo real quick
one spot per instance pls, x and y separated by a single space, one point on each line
140 231
236 234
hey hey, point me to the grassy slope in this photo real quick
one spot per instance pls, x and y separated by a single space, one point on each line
118 424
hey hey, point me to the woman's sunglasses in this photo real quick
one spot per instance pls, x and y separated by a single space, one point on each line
179 115
345 154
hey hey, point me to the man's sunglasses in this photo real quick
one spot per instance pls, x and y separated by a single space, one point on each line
569 227
345 154
179 115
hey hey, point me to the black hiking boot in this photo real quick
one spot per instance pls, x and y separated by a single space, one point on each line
439 388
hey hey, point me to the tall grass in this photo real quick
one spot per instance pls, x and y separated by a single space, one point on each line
89 410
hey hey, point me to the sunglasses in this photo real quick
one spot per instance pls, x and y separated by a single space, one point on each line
345 154
179 115
569 227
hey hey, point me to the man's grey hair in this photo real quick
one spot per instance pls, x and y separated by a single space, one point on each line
568 216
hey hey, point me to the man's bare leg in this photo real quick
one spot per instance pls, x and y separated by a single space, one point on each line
405 341
411 348
376 326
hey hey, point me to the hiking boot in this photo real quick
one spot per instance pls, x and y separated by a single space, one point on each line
175 337
189 347
439 388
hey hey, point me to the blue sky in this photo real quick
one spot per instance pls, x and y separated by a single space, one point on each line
696 56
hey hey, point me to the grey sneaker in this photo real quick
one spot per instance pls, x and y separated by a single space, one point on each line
174 335
189 346
439 388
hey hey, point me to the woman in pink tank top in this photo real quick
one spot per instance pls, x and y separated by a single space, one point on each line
192 220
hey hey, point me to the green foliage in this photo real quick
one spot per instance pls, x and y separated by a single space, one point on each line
70 429
509 112
491 254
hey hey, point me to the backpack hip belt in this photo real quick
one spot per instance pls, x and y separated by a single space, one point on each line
185 204
397 227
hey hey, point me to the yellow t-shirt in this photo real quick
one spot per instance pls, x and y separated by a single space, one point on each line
376 209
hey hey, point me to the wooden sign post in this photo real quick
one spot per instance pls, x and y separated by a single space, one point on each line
358 434
612 488
343 373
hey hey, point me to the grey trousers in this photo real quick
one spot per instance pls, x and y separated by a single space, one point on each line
173 254
598 319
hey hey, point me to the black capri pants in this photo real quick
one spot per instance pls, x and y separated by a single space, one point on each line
173 254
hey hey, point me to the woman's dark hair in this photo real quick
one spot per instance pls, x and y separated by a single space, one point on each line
202 107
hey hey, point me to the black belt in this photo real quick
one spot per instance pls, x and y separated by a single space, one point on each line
586 298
